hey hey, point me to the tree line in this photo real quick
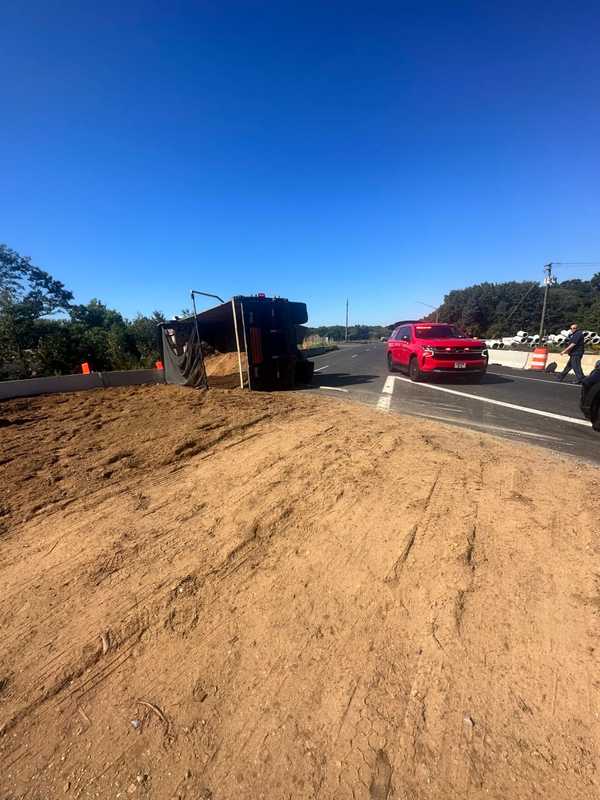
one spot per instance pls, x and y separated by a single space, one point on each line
337 333
42 332
492 310
500 309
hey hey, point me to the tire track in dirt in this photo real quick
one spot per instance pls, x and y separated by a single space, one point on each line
233 561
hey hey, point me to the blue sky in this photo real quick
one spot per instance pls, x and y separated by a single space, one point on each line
387 152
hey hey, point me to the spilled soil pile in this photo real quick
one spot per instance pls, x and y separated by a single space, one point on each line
224 363
233 595
223 369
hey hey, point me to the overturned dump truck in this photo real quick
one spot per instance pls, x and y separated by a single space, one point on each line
260 330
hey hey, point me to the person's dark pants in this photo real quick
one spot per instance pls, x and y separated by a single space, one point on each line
574 363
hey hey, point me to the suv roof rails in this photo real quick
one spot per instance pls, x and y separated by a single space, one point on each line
403 322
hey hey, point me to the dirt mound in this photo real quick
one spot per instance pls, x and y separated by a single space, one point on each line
222 364
224 594
223 370
63 447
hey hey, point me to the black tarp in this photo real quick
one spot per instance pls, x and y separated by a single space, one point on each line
182 354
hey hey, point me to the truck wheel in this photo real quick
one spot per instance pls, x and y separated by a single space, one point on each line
304 371
390 363
414 373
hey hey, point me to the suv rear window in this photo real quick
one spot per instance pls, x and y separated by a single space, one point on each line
437 332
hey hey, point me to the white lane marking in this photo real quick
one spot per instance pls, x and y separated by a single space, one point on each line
526 409
334 388
491 427
320 368
331 353
354 356
388 386
537 380
385 398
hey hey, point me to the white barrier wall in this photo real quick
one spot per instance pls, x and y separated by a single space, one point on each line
588 362
132 377
78 383
60 383
509 358
521 360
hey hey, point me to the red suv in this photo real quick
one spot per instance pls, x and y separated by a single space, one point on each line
424 348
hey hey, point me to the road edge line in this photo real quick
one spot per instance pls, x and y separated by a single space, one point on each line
537 411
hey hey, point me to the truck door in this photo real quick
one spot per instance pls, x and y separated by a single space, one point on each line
404 338
394 346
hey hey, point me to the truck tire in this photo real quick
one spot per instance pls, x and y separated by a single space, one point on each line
304 371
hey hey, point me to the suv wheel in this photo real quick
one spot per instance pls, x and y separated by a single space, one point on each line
414 373
391 366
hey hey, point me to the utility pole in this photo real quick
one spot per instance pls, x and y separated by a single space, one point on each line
346 339
549 280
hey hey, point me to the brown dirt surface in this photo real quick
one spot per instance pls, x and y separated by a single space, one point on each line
224 363
234 595
223 369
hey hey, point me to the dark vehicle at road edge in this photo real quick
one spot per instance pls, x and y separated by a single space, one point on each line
590 397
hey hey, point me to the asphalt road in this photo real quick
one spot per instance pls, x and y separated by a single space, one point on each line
512 403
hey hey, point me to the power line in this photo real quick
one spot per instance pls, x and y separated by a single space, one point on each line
571 265
528 292
435 308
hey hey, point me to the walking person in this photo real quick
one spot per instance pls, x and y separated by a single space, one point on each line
574 349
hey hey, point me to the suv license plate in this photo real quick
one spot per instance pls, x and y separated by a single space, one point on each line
460 365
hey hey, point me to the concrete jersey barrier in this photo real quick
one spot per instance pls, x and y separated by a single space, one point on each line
588 362
522 360
509 358
132 377
77 383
